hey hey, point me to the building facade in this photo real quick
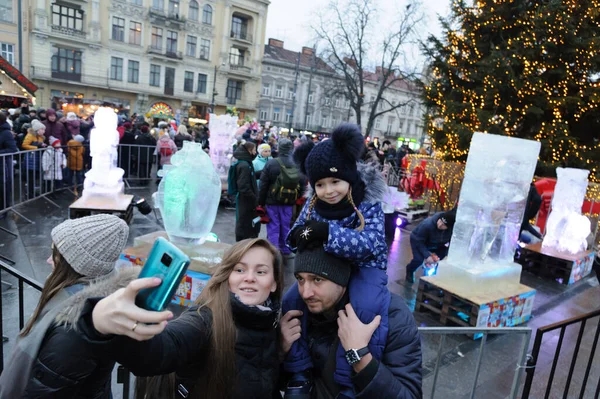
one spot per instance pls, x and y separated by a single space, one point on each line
318 103
164 58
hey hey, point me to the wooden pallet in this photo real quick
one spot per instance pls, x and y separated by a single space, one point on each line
502 308
120 206
564 268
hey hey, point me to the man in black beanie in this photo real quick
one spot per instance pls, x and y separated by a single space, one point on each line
331 320
430 240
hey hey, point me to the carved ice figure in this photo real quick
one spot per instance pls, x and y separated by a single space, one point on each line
222 132
567 229
188 195
105 178
491 205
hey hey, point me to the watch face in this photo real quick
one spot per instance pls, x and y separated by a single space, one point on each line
352 356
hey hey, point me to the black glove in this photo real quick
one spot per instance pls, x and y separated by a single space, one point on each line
311 232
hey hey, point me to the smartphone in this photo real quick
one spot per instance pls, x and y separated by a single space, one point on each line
168 263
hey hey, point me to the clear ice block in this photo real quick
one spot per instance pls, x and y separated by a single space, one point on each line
488 221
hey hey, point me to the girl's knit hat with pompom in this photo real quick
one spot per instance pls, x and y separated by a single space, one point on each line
336 157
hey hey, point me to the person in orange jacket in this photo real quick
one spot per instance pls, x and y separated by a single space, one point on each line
75 166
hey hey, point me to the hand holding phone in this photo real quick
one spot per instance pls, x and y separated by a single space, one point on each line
168 263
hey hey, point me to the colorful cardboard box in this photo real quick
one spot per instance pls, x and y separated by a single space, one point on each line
506 312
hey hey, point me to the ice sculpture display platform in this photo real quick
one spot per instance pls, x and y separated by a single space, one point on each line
105 179
491 206
204 260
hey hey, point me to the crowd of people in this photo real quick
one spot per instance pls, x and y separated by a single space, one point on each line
64 140
336 333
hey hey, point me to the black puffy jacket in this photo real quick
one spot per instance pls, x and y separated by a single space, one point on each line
398 375
183 346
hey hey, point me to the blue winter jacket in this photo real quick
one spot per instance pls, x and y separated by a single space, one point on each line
367 288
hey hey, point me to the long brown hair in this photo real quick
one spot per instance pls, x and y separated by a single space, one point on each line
219 378
63 276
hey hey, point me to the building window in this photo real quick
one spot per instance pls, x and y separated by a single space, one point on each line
377 123
133 71
279 91
171 42
239 28
66 17
337 102
263 114
234 91
308 119
202 81
6 10
158 5
190 46
236 57
205 49
194 11
310 98
411 110
155 75
276 114
116 68
401 127
288 117
135 33
207 14
7 51
188 82
157 36
174 8
324 120
327 101
137 2
290 94
266 89
390 125
347 103
66 63
118 29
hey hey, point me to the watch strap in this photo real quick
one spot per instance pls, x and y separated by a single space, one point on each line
363 351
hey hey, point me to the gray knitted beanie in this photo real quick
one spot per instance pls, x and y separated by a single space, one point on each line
92 244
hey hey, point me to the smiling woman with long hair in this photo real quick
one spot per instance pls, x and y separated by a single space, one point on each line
223 347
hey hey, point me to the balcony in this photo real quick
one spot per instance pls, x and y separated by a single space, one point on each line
173 55
170 20
240 68
72 77
79 34
78 78
241 36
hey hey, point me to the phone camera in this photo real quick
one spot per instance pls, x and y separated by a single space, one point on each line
166 260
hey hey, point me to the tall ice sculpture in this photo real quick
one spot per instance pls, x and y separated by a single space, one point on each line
188 196
222 131
567 229
105 178
491 206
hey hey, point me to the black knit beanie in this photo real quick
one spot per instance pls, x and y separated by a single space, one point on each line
336 157
316 261
449 217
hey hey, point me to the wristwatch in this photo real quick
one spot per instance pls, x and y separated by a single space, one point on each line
354 355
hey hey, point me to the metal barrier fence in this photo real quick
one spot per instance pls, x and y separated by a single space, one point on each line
34 174
442 355
537 359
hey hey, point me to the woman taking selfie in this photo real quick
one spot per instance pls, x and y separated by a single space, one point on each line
50 359
223 347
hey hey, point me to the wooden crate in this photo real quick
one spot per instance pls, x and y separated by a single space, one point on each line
564 268
120 206
499 309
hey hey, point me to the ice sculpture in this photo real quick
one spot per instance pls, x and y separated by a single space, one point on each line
567 229
188 195
105 178
491 205
222 131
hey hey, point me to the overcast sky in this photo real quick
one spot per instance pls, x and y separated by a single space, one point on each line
290 20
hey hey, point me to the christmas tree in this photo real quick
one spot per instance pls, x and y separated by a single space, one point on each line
528 69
